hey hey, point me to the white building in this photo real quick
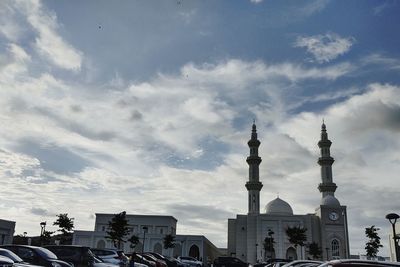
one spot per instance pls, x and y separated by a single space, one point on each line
327 226
151 230
7 229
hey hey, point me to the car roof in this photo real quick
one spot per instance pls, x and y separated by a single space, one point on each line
356 262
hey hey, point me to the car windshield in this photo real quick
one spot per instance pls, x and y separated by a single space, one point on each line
45 253
11 255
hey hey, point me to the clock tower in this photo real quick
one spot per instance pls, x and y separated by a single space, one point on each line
333 217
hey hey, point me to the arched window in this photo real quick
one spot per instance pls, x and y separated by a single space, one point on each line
291 254
335 248
194 252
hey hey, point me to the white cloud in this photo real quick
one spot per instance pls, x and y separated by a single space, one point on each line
313 7
382 60
49 43
325 47
256 1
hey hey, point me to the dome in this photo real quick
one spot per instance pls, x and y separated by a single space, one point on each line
330 200
278 207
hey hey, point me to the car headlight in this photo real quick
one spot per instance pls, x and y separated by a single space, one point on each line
55 264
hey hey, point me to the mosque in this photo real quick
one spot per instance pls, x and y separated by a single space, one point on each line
326 227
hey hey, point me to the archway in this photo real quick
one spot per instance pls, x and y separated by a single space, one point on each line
101 244
177 251
157 248
194 252
291 254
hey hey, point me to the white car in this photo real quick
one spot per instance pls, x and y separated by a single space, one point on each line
111 256
191 261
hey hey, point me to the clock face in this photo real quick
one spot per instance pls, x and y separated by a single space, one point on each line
333 216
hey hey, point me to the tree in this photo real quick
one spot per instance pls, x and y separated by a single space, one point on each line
45 238
297 235
374 241
134 240
315 250
118 229
66 225
169 241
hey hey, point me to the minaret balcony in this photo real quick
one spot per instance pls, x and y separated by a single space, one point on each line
253 160
325 161
324 143
254 186
253 143
327 187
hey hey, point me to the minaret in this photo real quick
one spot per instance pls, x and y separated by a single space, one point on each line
254 185
327 187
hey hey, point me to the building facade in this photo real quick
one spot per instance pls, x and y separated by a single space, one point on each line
249 234
151 230
7 229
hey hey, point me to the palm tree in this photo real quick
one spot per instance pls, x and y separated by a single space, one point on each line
374 241
314 250
169 241
297 236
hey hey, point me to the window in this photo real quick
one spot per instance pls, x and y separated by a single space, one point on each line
335 248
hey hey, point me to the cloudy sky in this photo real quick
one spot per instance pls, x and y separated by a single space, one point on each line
146 106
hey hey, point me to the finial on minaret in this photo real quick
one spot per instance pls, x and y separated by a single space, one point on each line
323 126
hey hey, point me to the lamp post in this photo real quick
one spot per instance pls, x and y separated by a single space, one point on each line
145 228
392 217
42 231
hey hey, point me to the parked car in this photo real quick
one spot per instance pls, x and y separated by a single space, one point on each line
177 262
191 261
79 256
159 263
229 262
169 262
37 255
272 263
18 262
5 262
358 263
140 259
111 256
303 263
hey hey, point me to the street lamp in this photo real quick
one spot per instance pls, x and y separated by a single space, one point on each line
145 228
42 231
42 228
392 217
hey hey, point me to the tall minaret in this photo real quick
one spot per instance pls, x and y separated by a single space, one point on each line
254 185
327 187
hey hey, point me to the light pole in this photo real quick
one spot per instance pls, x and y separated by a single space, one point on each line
42 231
256 252
392 217
145 228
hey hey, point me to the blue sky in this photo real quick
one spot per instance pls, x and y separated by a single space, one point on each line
146 106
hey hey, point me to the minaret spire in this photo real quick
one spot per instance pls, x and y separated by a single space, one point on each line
254 185
327 186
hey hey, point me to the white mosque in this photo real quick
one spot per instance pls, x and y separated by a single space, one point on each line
326 227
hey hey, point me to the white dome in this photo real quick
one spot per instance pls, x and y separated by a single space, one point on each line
330 201
278 207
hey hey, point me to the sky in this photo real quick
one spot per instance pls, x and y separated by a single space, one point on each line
146 107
